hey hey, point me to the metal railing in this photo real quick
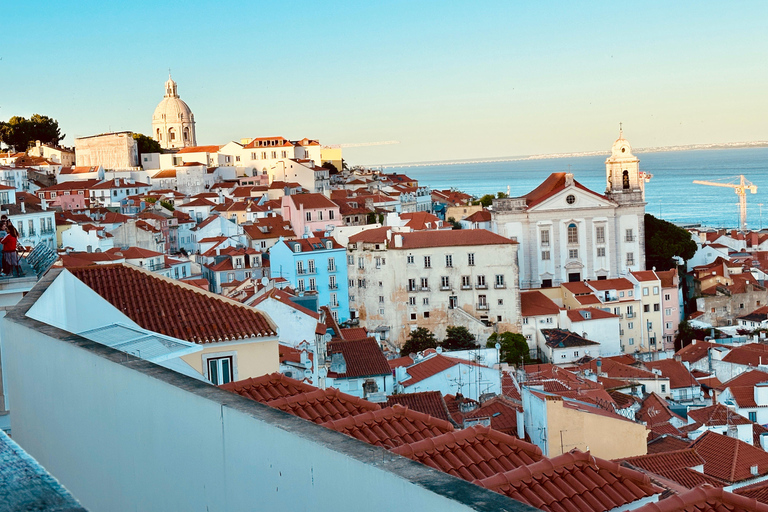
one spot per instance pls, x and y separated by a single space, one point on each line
482 306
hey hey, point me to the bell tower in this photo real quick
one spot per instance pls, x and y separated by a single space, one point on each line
624 184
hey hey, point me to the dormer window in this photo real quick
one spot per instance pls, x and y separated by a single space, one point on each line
296 247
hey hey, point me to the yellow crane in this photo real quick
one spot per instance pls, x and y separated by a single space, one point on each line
741 190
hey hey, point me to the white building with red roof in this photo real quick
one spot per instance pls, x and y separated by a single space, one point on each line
433 279
449 375
110 193
87 238
571 233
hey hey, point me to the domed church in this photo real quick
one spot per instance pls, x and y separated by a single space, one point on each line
173 124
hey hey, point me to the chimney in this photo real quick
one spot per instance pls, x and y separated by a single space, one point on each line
43 204
398 240
755 237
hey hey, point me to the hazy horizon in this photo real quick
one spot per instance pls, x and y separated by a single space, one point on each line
448 80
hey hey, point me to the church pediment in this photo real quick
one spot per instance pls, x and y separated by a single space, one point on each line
573 198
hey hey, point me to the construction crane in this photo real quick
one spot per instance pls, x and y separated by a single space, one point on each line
741 190
361 144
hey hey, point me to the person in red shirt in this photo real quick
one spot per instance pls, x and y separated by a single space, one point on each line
10 258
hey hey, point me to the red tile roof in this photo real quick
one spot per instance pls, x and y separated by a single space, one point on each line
323 405
752 354
746 379
473 453
716 415
678 374
696 351
501 411
199 149
284 298
174 308
655 411
428 402
429 367
667 443
554 183
758 491
448 238
706 498
312 201
620 283
268 387
391 427
659 463
371 236
574 481
363 358
535 303
617 370
729 459
353 333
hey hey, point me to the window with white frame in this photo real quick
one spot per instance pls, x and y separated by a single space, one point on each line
412 301
499 280
309 216
410 259
449 260
220 369
424 283
601 252
600 234
545 238
545 255
573 254
470 258
427 261
573 233
445 282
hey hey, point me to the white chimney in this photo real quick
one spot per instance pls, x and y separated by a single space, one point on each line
398 240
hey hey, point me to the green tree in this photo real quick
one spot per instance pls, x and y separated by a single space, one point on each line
664 241
453 222
686 333
331 168
501 195
20 132
419 340
514 347
167 205
146 144
485 201
458 338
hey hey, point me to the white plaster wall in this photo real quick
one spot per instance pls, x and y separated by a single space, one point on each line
124 440
604 331
293 325
447 382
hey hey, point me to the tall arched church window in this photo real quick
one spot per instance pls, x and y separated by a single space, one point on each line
186 134
625 180
573 233
171 134
159 134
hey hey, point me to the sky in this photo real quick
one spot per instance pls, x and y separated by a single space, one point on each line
448 80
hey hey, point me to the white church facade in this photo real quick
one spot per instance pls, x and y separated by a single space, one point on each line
569 233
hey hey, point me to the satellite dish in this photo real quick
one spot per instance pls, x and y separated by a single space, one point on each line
308 374
264 281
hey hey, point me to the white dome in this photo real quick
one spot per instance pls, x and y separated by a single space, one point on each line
173 110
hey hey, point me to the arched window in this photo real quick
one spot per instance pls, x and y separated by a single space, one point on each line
186 134
159 134
171 134
573 233
625 180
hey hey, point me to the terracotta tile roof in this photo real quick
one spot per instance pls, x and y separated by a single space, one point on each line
746 379
363 358
123 184
200 201
622 400
561 338
664 429
577 288
447 238
758 491
353 333
619 283
371 236
509 388
134 253
480 216
199 149
311 201
535 303
271 142
645 275
757 433
501 411
556 380
587 314
729 459
554 183
716 415
706 498
473 453
428 402
667 443
285 298
174 308
313 243
574 481
323 405
419 221
667 277
400 361
391 427
751 354
655 411
758 315
675 371
696 351
659 463
268 387
431 366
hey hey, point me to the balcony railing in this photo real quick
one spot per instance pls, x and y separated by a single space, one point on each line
630 238
466 287
630 315
301 271
481 286
500 285
425 288
482 306
333 286
332 269
443 287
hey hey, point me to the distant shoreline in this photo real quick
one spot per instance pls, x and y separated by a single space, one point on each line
661 149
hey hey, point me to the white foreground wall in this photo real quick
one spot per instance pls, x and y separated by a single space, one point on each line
125 434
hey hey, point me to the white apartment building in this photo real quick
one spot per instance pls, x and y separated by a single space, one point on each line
569 233
433 279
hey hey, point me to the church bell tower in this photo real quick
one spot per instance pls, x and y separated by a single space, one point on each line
624 183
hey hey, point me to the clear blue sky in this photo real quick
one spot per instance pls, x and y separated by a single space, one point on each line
447 80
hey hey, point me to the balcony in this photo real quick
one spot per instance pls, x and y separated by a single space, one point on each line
444 288
332 269
483 306
425 288
466 287
481 286
630 263
630 315
301 271
499 286
333 286
630 238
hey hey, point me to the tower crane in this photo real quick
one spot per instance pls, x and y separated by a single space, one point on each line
362 144
741 190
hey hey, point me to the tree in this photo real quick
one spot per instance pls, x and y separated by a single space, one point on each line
486 200
453 222
146 144
20 132
686 333
331 168
514 347
419 340
664 241
458 338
